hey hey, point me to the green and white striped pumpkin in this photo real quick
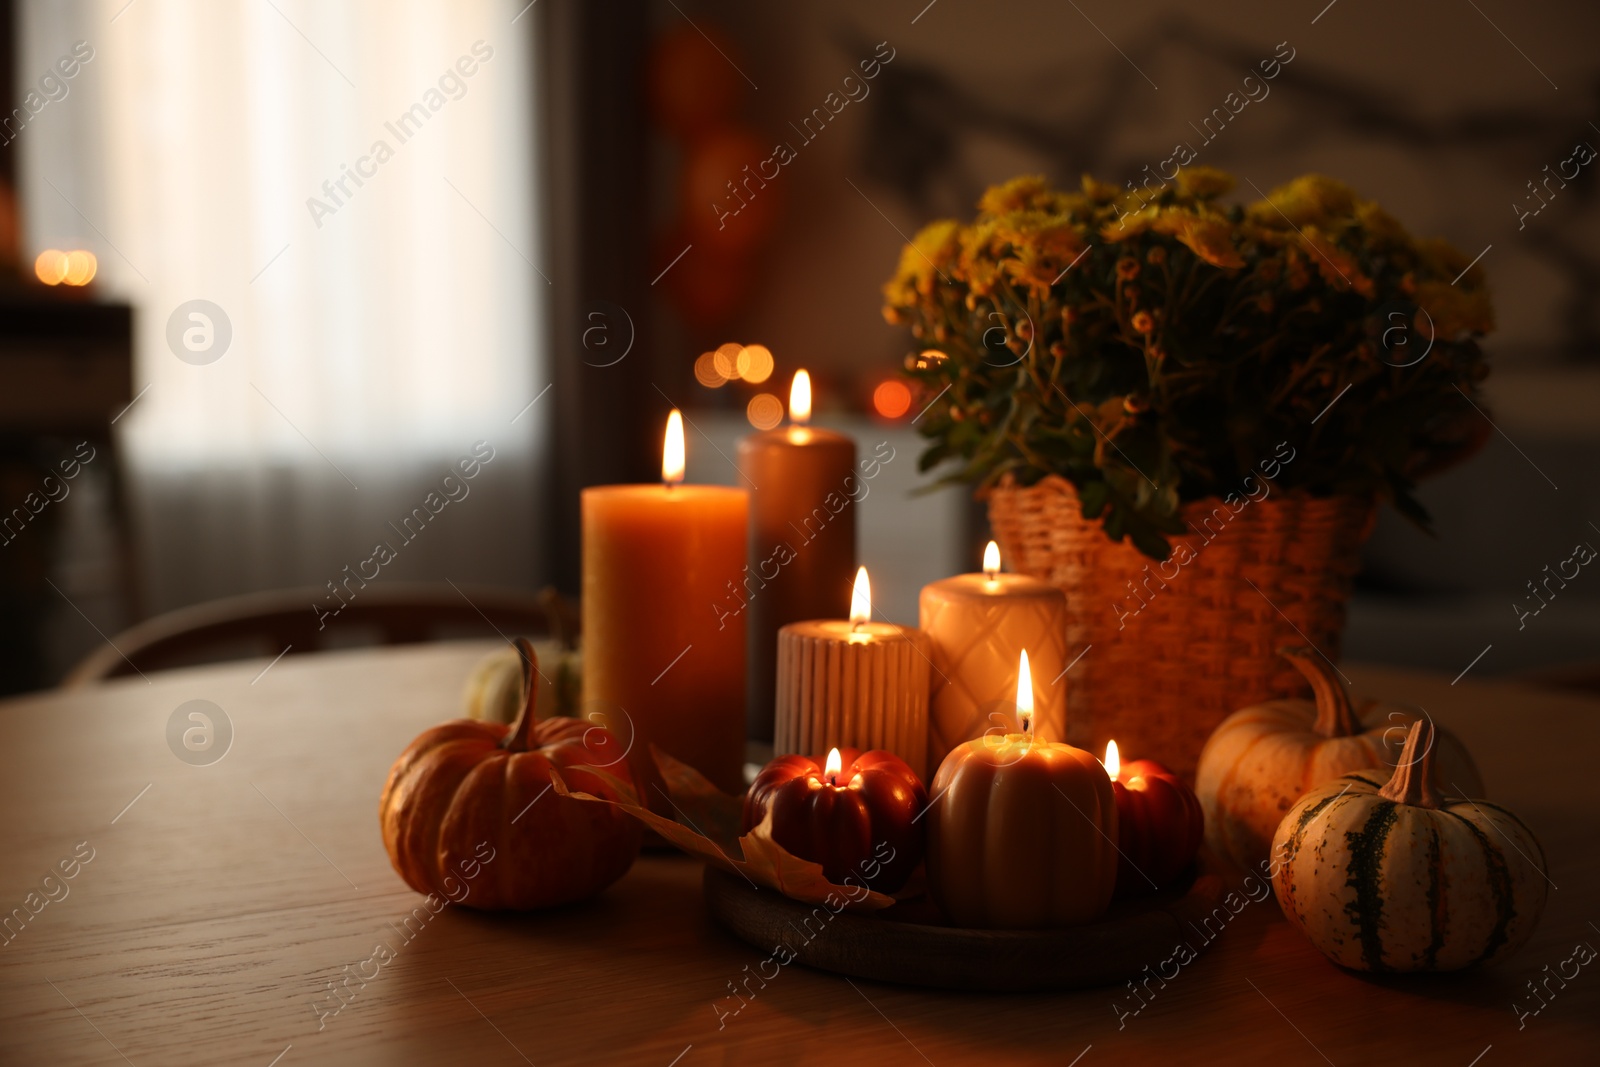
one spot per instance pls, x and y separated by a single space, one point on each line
1383 874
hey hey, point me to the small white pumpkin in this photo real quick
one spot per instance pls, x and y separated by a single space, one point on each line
493 690
1394 877
1262 759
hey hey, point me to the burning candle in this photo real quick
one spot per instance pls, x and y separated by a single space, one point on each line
853 684
656 562
856 814
802 546
1159 819
1022 833
976 624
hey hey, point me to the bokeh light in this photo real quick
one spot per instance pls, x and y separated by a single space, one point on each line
764 411
81 267
706 373
726 358
891 399
754 363
51 266
55 267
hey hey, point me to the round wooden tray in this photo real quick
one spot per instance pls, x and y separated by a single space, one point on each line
905 945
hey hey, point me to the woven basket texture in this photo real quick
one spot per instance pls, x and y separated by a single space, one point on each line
1171 649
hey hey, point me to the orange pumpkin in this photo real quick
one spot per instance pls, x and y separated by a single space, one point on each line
1262 759
470 811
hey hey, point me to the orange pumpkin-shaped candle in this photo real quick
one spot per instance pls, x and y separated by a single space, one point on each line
1022 832
1159 823
465 785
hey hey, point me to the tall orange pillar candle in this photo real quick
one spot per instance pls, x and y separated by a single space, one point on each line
656 563
976 624
802 548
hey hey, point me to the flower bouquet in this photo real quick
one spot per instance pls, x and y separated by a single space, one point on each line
1183 410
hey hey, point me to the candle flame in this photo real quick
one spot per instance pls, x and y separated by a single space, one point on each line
1025 694
860 598
800 398
991 561
833 767
672 449
1113 760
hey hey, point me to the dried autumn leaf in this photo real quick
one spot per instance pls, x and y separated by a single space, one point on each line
709 832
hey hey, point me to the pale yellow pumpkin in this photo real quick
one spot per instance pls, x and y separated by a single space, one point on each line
494 693
1262 759
1383 873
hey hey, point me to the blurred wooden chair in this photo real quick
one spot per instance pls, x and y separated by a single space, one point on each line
285 621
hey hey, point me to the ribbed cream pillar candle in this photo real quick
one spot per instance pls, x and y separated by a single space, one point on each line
853 684
976 626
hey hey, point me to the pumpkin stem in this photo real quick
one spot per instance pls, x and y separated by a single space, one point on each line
562 625
516 739
1412 782
1336 716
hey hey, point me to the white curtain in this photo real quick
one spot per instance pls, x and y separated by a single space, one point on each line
352 185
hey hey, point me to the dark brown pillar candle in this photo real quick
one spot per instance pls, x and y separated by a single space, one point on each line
804 492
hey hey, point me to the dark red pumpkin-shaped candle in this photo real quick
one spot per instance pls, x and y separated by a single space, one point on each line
856 814
1159 820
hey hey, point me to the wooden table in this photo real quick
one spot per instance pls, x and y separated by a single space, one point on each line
221 900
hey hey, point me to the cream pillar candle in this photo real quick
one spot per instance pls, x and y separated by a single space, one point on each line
976 625
855 684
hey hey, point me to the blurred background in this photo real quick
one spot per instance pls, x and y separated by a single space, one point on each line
270 269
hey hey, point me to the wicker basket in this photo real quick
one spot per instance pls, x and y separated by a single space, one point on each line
1174 648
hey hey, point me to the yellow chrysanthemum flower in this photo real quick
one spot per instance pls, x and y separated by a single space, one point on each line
1098 191
1209 237
934 247
1034 270
1027 193
1381 227
1204 183
1130 224
1308 199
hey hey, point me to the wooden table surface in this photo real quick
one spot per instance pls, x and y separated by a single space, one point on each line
221 900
